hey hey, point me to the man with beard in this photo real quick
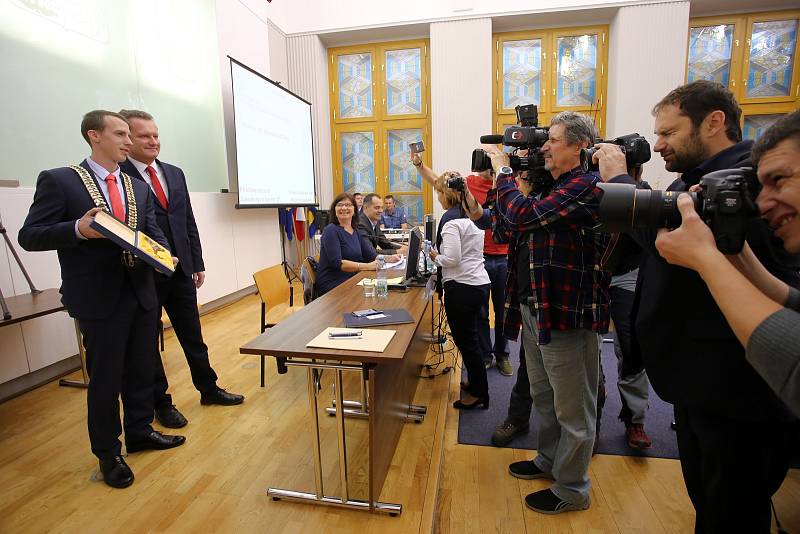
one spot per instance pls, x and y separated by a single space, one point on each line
694 361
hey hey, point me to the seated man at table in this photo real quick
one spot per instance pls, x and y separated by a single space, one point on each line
393 216
343 250
369 226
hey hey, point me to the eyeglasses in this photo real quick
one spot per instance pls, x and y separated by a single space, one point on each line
344 205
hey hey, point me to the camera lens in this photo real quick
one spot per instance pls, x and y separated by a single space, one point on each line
624 207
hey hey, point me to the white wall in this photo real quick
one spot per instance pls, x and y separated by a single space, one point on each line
308 77
236 243
646 60
461 92
317 16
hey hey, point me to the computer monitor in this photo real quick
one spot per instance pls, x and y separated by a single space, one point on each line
412 269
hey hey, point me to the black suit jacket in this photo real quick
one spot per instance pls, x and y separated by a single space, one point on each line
92 274
691 354
375 235
177 221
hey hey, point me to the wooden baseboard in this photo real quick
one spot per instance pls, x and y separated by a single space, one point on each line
23 384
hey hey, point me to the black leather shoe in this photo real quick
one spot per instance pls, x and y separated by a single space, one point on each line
169 417
482 402
156 441
220 396
116 472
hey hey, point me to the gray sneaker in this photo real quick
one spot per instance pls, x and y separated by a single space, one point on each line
504 366
505 433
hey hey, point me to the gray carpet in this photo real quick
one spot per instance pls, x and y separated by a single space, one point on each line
475 427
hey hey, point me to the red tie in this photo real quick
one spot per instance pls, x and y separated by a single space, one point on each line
162 198
116 200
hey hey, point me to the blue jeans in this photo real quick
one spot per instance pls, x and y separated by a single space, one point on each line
498 270
564 375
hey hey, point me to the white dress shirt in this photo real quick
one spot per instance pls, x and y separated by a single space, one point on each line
461 253
142 168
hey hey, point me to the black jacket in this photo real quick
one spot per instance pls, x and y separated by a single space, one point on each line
375 235
177 221
92 274
692 356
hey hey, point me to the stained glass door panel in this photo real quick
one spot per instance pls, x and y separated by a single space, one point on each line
576 74
354 76
403 82
413 207
755 125
403 176
522 73
357 150
710 53
772 48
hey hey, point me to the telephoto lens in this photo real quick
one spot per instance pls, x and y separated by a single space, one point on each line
624 207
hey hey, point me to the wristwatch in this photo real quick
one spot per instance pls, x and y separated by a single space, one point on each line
506 170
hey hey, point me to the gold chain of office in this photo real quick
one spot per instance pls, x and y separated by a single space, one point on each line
132 216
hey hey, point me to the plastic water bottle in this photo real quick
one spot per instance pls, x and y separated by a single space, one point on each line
381 284
429 266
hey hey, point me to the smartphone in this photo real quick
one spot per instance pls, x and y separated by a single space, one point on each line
417 147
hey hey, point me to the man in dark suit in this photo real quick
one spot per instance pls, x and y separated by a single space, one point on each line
114 301
177 294
369 226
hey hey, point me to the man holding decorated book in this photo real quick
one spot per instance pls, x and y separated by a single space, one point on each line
108 290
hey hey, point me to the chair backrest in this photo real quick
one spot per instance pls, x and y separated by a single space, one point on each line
273 287
308 274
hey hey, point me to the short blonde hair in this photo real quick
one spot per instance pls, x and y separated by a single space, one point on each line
452 196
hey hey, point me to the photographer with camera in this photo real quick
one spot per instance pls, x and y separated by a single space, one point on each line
459 256
557 290
494 256
692 357
632 382
762 310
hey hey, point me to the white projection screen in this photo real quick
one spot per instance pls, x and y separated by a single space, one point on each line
274 149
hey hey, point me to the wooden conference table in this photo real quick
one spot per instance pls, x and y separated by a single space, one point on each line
388 382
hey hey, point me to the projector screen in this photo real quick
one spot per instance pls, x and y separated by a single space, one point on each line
274 150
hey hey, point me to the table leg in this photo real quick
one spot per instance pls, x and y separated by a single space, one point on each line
82 352
319 496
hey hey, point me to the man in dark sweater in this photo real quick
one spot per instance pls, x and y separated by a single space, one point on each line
722 406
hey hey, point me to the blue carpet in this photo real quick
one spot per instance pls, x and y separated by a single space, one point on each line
475 427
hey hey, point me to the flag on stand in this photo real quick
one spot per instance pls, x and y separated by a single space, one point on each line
300 223
312 224
286 220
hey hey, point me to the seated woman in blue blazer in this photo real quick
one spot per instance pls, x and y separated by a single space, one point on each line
343 250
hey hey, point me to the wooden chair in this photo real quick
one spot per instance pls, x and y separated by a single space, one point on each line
275 293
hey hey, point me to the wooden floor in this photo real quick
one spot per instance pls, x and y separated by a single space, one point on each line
216 482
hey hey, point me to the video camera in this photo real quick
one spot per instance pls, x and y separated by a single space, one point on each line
527 135
635 147
725 202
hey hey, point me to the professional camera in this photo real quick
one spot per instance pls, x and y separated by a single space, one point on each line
726 202
527 135
635 147
457 183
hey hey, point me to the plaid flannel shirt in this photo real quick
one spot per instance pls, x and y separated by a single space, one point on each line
569 283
